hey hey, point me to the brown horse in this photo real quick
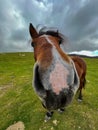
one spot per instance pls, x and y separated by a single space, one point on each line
57 76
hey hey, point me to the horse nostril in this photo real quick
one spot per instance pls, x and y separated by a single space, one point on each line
63 99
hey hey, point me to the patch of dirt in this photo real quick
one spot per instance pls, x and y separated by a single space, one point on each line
17 126
4 87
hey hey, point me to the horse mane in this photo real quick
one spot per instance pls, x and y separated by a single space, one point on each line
53 32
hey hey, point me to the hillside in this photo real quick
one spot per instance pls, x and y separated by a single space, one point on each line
18 101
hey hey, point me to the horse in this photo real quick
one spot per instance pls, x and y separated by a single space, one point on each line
57 76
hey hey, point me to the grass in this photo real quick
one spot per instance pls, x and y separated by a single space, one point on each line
18 101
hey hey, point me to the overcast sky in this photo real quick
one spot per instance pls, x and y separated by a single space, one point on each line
77 19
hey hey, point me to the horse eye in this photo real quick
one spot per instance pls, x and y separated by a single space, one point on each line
32 44
60 41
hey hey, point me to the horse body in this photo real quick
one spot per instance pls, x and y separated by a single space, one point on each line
56 75
81 70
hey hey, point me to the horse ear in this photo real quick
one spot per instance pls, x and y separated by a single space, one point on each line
33 32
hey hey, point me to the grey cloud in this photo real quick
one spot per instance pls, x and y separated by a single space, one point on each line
82 25
19 35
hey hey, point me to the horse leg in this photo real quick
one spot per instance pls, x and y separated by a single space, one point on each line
82 85
48 115
80 97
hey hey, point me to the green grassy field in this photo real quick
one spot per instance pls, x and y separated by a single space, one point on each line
18 101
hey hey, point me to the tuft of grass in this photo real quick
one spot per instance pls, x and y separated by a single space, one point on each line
18 101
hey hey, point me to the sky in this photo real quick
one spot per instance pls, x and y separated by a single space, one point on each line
76 19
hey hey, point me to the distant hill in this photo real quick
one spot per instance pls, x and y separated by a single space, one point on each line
84 56
85 53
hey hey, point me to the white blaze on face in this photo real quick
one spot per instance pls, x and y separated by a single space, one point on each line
58 78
